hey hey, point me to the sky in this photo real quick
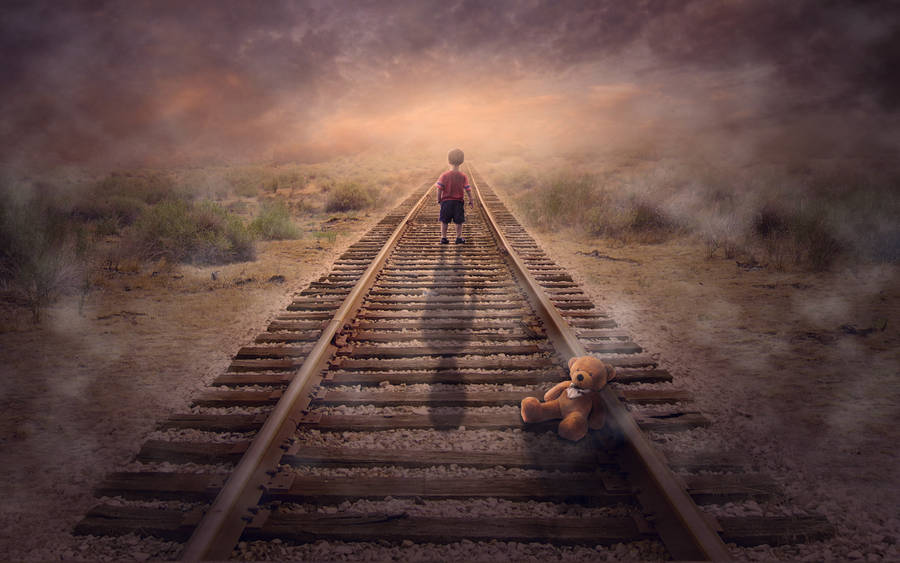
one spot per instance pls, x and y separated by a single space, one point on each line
144 81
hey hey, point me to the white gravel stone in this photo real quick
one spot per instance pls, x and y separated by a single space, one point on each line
462 508
403 409
491 552
230 410
190 435
458 440
165 467
435 472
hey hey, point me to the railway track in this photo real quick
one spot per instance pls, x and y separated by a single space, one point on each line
382 406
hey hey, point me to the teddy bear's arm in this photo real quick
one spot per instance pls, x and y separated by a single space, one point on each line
556 390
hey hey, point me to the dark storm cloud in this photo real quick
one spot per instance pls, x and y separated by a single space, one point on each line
845 47
92 80
89 76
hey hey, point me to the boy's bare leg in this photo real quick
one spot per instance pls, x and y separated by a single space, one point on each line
459 230
444 229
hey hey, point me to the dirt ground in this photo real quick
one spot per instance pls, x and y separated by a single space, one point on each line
80 390
797 370
784 363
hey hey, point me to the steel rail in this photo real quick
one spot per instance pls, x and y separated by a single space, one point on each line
221 527
683 528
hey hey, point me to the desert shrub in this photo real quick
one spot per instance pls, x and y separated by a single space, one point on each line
125 209
564 200
106 226
770 222
273 222
720 230
866 219
349 196
202 232
145 186
302 206
801 237
325 182
817 247
329 236
292 178
581 203
38 258
645 217
120 198
248 181
519 179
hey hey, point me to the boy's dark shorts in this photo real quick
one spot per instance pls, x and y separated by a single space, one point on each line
453 210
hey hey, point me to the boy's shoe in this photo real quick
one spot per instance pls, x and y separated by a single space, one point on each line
445 241
460 240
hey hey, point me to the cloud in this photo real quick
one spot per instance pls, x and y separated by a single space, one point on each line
116 82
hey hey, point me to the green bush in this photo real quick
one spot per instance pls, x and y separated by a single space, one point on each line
349 196
124 208
121 197
201 233
273 222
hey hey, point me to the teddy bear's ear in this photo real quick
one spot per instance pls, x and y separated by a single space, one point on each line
572 361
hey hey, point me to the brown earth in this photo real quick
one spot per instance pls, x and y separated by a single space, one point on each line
80 390
799 370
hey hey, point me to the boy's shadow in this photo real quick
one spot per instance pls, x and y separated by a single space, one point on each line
446 303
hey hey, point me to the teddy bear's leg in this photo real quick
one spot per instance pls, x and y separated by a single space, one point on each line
535 411
597 419
573 427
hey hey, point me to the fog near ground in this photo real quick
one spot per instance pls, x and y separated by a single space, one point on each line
682 103
162 83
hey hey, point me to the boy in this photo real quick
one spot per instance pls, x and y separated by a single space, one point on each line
450 189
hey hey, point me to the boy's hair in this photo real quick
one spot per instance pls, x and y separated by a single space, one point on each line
455 157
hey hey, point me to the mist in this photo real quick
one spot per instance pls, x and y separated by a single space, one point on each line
721 174
162 83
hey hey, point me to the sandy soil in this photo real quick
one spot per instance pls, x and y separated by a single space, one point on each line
81 390
793 368
763 353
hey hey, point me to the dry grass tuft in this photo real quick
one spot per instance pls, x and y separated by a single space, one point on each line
584 203
779 213
40 251
350 196
200 233
273 222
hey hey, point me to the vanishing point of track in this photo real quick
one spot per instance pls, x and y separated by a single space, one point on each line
444 338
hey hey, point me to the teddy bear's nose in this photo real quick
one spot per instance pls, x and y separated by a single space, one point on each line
579 377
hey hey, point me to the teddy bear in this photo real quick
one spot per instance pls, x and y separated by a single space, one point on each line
575 401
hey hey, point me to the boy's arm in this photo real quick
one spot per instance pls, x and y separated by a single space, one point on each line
468 190
440 188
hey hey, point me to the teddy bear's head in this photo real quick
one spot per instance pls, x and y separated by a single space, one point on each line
587 372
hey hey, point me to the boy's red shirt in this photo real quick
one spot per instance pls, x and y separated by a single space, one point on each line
453 185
